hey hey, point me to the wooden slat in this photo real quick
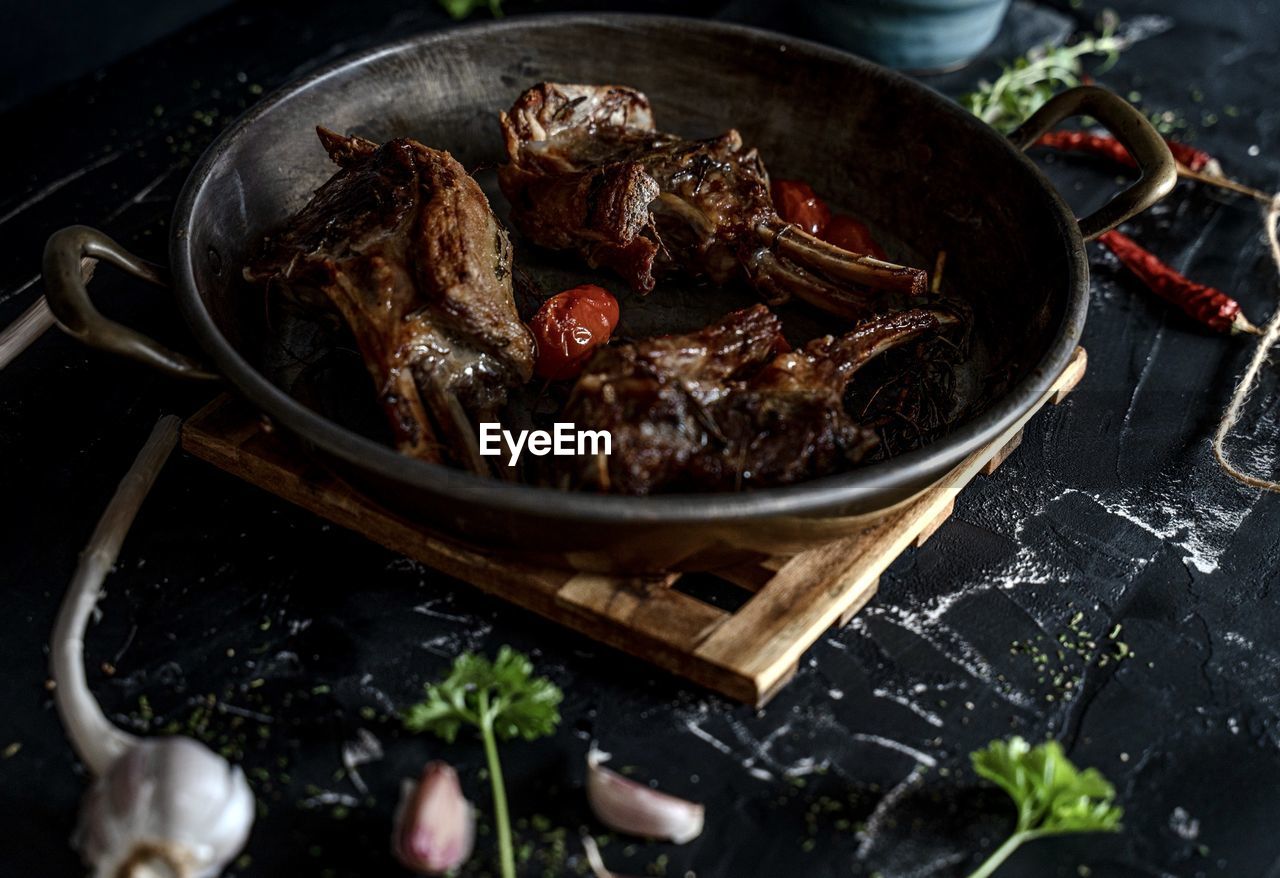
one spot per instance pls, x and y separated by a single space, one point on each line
1072 375
931 527
846 616
752 576
317 490
749 654
1003 454
764 640
646 605
661 629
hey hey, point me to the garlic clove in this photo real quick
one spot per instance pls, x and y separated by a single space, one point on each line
435 825
167 806
635 809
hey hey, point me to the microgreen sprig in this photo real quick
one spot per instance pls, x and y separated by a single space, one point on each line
1053 797
504 701
460 9
1026 84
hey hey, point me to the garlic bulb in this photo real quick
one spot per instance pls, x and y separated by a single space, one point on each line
435 825
168 805
161 807
633 808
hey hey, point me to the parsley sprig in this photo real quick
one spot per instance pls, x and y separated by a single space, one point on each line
1053 797
504 701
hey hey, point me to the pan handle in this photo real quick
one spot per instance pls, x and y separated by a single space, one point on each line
1135 133
68 295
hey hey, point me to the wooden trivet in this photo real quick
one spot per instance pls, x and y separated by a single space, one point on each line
747 654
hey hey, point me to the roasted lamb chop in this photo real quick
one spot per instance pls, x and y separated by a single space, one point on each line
401 246
728 407
587 171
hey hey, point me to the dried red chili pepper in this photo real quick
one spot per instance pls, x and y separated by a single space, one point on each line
1205 304
1094 144
1194 159
1190 157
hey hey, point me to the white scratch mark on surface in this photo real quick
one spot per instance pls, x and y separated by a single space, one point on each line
924 713
42 194
871 829
140 196
888 743
20 289
699 732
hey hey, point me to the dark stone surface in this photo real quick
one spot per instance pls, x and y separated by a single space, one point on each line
1112 517
56 41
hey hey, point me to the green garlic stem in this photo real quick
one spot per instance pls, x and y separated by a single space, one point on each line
95 738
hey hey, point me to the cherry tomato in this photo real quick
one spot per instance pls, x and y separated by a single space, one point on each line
569 327
849 234
797 204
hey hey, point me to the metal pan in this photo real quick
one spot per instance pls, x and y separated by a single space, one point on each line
926 176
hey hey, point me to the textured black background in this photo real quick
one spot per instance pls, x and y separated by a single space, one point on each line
1112 513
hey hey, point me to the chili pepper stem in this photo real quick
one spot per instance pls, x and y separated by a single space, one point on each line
1191 163
1240 323
1222 182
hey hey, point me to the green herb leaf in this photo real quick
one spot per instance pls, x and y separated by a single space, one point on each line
460 9
1025 85
1052 795
516 703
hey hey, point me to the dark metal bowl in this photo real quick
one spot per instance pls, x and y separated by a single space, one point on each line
925 174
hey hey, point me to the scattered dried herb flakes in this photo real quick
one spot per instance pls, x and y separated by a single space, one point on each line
1062 661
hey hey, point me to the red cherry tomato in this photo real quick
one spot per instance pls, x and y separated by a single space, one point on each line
849 234
797 204
569 327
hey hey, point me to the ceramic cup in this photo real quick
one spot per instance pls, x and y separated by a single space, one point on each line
919 35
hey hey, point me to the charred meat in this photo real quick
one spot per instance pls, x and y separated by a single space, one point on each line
729 407
587 171
401 246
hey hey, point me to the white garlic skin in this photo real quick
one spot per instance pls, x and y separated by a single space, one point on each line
170 800
435 825
635 809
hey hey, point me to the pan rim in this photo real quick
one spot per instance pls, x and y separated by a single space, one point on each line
850 490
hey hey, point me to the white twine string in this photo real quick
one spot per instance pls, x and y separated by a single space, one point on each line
1250 378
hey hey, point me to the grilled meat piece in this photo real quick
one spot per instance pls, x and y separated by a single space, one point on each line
401 246
721 409
587 171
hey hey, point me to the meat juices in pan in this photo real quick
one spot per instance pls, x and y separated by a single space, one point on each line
401 246
587 171
728 407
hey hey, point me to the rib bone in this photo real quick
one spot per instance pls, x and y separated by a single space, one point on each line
587 171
